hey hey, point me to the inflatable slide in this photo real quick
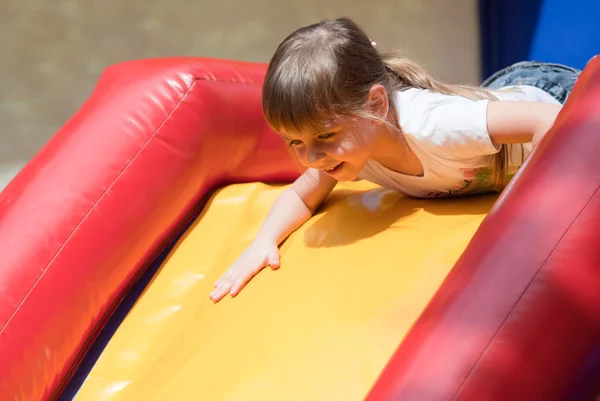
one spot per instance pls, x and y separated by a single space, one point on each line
113 235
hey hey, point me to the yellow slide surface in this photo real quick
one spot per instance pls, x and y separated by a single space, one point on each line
352 281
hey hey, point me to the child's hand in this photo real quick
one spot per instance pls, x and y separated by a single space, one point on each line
257 256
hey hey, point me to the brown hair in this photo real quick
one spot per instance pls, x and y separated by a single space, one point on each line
326 69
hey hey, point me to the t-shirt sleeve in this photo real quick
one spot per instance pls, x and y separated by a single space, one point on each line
450 126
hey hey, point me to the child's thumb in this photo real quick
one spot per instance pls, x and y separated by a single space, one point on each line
273 259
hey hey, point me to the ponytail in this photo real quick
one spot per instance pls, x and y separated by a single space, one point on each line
409 74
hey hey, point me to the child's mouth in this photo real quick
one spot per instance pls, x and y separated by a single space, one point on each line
334 168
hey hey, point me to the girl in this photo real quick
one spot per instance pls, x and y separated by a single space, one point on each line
348 113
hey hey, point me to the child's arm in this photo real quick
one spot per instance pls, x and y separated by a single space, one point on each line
290 210
296 205
520 122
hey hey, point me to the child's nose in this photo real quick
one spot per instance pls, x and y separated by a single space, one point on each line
315 156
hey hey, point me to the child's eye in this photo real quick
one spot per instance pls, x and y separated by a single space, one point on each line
295 142
326 136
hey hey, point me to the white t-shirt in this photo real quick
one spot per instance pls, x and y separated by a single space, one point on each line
449 136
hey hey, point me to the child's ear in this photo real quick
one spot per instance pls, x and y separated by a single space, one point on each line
378 101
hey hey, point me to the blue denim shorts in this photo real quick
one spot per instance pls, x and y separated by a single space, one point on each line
556 79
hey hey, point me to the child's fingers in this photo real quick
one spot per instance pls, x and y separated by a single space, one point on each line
224 277
240 283
274 260
239 275
233 280
221 290
219 281
218 294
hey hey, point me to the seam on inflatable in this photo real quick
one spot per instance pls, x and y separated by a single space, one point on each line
229 82
525 291
106 191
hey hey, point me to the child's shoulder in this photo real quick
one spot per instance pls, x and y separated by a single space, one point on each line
448 125
424 108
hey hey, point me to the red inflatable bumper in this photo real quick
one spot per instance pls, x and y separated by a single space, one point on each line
89 212
516 319
520 312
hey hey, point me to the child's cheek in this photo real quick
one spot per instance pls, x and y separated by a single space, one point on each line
348 145
357 143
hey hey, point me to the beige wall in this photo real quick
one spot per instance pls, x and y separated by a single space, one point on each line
53 51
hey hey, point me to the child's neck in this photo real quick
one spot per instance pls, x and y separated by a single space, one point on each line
393 152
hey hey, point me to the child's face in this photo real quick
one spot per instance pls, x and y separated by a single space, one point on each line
342 148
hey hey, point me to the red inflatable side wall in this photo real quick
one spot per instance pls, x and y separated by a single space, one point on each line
84 217
520 312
